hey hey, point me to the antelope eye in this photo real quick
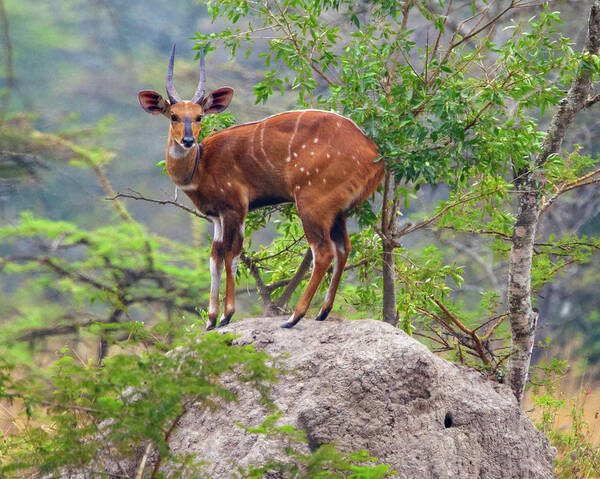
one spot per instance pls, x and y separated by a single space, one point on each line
199 118
174 118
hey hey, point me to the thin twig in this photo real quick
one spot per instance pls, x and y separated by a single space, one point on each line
138 196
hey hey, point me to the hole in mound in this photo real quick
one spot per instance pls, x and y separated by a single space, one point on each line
448 420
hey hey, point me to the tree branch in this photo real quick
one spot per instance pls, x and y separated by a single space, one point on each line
140 197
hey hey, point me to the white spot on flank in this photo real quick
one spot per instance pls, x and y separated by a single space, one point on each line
309 183
303 146
316 170
354 157
328 155
324 180
308 173
302 169
288 159
295 155
229 183
312 153
297 187
316 140
339 123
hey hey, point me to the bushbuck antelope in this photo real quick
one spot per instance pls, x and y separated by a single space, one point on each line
319 160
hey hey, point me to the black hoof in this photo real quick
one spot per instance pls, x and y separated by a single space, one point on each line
210 327
287 325
323 315
225 321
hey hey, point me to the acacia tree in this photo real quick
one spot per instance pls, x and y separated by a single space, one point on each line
450 100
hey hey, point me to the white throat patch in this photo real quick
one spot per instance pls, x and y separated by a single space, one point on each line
177 151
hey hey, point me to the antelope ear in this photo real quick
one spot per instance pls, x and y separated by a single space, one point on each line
218 100
153 103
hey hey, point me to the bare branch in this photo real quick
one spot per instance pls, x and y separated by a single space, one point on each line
140 197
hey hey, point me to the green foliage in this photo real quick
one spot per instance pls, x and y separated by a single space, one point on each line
324 462
101 276
577 456
102 415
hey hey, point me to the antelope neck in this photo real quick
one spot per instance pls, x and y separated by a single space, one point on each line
186 179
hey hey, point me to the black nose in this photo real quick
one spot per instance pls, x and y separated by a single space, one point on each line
187 141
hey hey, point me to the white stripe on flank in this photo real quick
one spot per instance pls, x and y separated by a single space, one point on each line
252 145
262 147
293 134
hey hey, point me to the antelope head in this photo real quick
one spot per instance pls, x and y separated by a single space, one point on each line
185 116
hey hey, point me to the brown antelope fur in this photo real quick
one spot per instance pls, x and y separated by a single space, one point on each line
318 160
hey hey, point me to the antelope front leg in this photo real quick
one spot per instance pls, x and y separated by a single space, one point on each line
216 268
233 239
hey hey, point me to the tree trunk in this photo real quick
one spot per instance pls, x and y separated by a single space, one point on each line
389 284
522 317
530 183
388 222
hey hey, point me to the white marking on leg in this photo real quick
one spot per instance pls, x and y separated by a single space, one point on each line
218 229
215 280
234 264
190 187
